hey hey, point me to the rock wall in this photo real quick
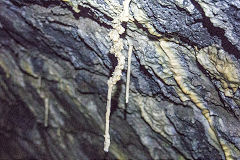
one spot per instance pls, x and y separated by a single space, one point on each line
184 90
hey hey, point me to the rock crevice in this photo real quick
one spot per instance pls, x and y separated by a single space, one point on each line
184 89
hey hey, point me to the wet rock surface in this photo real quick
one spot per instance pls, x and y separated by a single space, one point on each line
184 90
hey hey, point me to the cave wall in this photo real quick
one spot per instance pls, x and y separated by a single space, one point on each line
184 89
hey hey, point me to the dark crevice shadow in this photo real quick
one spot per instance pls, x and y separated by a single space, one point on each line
166 35
149 35
116 97
88 13
84 11
228 109
217 31
114 62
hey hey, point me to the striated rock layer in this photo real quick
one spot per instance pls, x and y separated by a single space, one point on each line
184 93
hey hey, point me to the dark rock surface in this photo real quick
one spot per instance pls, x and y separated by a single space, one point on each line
184 91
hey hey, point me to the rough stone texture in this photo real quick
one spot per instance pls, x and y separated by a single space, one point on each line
184 90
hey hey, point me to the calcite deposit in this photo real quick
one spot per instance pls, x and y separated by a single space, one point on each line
184 97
